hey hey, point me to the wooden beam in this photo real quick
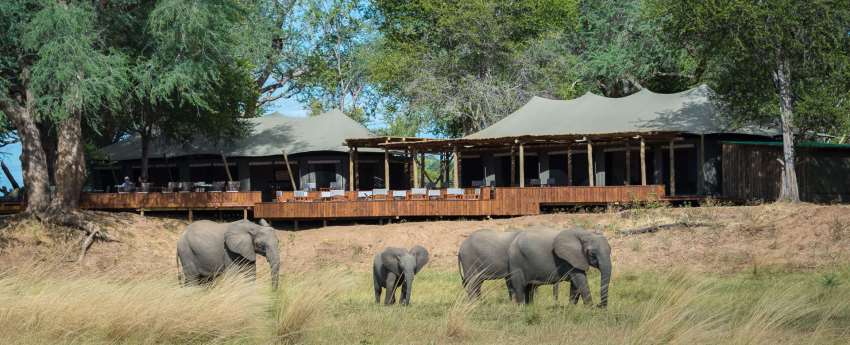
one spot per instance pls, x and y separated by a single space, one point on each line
386 168
672 169
226 167
351 169
289 170
569 164
513 167
356 181
521 165
590 176
701 166
456 180
628 164
415 173
642 162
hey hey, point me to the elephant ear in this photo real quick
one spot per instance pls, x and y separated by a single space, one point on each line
568 246
389 259
421 255
240 241
263 222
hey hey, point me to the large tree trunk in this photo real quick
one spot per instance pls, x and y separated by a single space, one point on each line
146 143
70 164
33 158
782 78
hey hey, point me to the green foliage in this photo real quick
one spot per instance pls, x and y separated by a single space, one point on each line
745 41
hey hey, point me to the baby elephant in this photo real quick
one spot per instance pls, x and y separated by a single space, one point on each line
397 266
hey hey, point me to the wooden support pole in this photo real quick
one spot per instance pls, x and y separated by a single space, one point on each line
701 166
422 173
628 164
642 162
386 168
226 167
356 182
456 182
569 164
289 170
415 172
590 176
351 169
190 215
513 167
245 214
672 168
521 165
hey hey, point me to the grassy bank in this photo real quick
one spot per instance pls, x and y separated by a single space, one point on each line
39 307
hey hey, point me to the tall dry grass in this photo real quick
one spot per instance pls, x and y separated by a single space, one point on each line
302 301
40 306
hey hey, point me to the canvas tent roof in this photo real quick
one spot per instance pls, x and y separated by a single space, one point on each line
271 135
690 111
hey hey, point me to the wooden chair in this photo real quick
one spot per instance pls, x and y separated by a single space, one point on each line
434 194
418 193
218 186
338 194
301 195
399 194
379 194
364 195
233 186
454 193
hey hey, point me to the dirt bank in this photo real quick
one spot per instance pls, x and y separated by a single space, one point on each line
720 239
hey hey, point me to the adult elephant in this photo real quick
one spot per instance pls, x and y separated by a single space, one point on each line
397 266
484 256
543 257
206 249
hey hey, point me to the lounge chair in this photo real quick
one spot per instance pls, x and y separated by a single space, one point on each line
399 194
434 194
233 186
379 194
418 193
364 195
454 193
301 195
217 186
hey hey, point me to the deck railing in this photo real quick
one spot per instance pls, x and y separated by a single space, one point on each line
168 201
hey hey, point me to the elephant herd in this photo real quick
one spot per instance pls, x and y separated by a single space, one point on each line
524 259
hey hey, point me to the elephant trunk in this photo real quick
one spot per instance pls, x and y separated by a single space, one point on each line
605 280
273 258
408 286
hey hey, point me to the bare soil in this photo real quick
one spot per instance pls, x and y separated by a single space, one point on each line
714 239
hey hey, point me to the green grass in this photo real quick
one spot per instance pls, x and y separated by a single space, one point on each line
333 307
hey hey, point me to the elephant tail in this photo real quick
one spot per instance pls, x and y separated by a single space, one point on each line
460 270
180 277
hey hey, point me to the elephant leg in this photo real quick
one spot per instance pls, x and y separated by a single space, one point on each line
376 284
555 291
390 287
510 289
518 286
580 279
573 293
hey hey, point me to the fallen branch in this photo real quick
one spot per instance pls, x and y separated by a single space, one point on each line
655 228
76 219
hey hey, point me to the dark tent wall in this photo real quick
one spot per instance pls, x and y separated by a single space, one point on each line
751 171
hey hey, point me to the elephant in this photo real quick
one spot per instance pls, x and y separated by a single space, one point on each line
206 249
484 256
397 265
538 258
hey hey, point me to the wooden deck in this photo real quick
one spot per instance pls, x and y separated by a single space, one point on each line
171 201
10 207
502 202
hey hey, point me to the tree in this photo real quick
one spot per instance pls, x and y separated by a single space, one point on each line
54 73
453 62
765 56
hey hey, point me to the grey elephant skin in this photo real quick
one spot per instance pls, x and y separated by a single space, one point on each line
484 256
206 249
538 258
394 267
